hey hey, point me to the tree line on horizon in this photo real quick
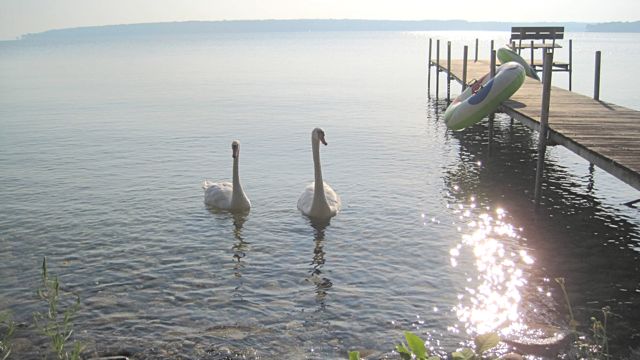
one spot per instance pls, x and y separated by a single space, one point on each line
193 27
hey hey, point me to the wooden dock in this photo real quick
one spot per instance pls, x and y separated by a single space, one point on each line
605 134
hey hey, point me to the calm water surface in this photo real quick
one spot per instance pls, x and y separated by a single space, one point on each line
103 147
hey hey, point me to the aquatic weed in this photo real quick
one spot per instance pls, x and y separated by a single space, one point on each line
7 327
596 347
599 333
58 329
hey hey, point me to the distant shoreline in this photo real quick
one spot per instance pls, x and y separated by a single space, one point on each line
226 26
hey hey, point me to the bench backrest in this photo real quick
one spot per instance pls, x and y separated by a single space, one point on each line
537 32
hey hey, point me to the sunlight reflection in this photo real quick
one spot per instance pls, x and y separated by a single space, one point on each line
492 297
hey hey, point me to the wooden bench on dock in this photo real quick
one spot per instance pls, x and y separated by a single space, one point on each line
544 38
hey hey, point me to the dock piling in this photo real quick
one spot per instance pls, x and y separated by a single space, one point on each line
492 71
570 61
532 53
476 57
429 71
544 123
493 59
596 84
437 67
464 67
448 71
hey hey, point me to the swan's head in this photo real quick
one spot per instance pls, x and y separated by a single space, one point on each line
235 149
318 135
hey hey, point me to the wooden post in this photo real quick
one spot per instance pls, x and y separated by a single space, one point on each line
544 122
429 71
591 182
532 53
570 61
464 67
492 116
492 64
520 45
476 58
492 69
437 67
596 84
448 71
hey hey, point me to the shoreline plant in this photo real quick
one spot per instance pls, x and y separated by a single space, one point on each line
415 348
7 328
56 323
598 347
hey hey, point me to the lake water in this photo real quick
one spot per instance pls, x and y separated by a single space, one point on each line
104 145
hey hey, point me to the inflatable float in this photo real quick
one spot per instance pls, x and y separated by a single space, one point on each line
505 55
484 96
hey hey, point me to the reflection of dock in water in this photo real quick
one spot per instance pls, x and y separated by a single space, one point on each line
606 135
576 231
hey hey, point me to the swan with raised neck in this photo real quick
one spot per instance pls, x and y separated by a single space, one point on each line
225 195
318 200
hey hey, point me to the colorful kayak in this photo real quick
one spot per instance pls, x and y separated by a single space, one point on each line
484 96
505 55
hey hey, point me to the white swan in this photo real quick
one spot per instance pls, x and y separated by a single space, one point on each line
318 199
225 195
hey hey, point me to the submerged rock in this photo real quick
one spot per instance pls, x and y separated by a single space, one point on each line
540 341
512 356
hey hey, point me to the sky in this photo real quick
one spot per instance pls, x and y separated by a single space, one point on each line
18 17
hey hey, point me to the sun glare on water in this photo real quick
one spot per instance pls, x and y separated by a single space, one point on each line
492 296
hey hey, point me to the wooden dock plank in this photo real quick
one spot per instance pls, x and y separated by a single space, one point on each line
605 134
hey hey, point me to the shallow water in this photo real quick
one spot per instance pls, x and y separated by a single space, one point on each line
104 145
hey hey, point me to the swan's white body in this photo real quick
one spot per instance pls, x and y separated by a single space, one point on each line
318 199
226 195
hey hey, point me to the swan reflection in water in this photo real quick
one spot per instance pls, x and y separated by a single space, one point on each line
316 277
240 247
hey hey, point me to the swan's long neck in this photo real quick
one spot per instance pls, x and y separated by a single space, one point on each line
237 197
319 199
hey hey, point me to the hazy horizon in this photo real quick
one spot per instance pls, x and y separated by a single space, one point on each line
307 25
20 17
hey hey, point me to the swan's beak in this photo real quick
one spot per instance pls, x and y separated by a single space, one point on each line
235 151
321 138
